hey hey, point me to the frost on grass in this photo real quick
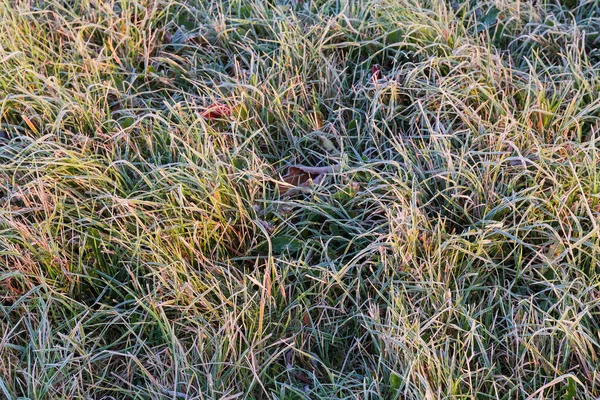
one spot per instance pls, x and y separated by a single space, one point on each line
315 199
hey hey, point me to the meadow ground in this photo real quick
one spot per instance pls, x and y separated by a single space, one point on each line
160 237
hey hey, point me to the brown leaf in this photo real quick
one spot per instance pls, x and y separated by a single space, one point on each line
299 176
306 319
296 176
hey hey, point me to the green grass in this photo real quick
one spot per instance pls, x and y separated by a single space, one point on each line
150 249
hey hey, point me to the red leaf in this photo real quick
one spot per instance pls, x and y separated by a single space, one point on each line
216 110
376 72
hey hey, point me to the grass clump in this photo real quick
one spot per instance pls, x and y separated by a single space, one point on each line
151 246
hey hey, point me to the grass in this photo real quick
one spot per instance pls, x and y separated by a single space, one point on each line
150 247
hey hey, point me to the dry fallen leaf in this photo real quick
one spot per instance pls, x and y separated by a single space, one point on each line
299 176
306 319
216 110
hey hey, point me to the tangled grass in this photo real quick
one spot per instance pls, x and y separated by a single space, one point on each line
150 247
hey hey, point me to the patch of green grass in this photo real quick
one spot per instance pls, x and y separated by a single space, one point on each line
150 248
